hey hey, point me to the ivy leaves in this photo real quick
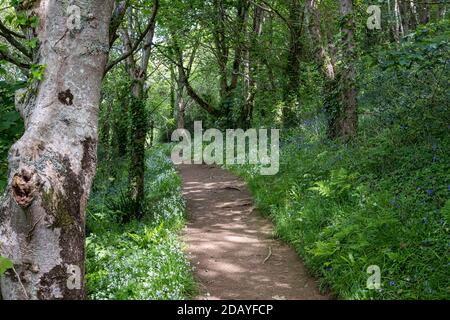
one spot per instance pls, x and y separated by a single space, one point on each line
427 47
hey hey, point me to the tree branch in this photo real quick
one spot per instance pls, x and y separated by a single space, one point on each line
5 56
285 20
149 38
138 41
15 34
190 91
5 33
116 21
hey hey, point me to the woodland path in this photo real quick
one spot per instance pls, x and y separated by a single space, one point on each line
232 246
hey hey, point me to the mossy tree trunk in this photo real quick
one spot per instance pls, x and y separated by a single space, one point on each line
139 124
343 119
42 213
291 95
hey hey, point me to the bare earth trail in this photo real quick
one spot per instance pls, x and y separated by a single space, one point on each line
232 246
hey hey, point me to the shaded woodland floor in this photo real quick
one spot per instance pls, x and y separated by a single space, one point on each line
232 246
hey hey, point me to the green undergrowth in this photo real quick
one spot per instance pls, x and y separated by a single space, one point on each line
382 200
142 259
344 209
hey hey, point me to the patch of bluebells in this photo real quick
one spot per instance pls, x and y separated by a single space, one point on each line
119 268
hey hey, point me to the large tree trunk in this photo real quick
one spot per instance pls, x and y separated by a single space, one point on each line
42 221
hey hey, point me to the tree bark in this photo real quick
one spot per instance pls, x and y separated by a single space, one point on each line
291 89
442 9
223 48
42 213
322 52
414 16
139 124
424 11
251 67
399 30
221 45
346 120
180 102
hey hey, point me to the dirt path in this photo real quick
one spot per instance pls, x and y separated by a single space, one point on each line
231 244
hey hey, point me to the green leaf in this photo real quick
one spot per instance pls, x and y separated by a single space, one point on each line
5 264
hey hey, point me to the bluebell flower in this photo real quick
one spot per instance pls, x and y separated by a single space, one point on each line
448 188
425 220
392 283
430 192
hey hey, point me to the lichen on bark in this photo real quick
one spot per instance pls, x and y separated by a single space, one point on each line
52 166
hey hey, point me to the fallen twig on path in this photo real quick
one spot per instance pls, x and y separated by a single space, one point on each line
269 255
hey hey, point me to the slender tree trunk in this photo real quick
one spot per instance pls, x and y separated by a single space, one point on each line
42 213
139 124
251 67
180 101
414 15
399 30
291 96
269 67
244 117
441 11
121 126
424 11
138 133
405 11
308 23
221 45
323 56
106 131
348 116
152 133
